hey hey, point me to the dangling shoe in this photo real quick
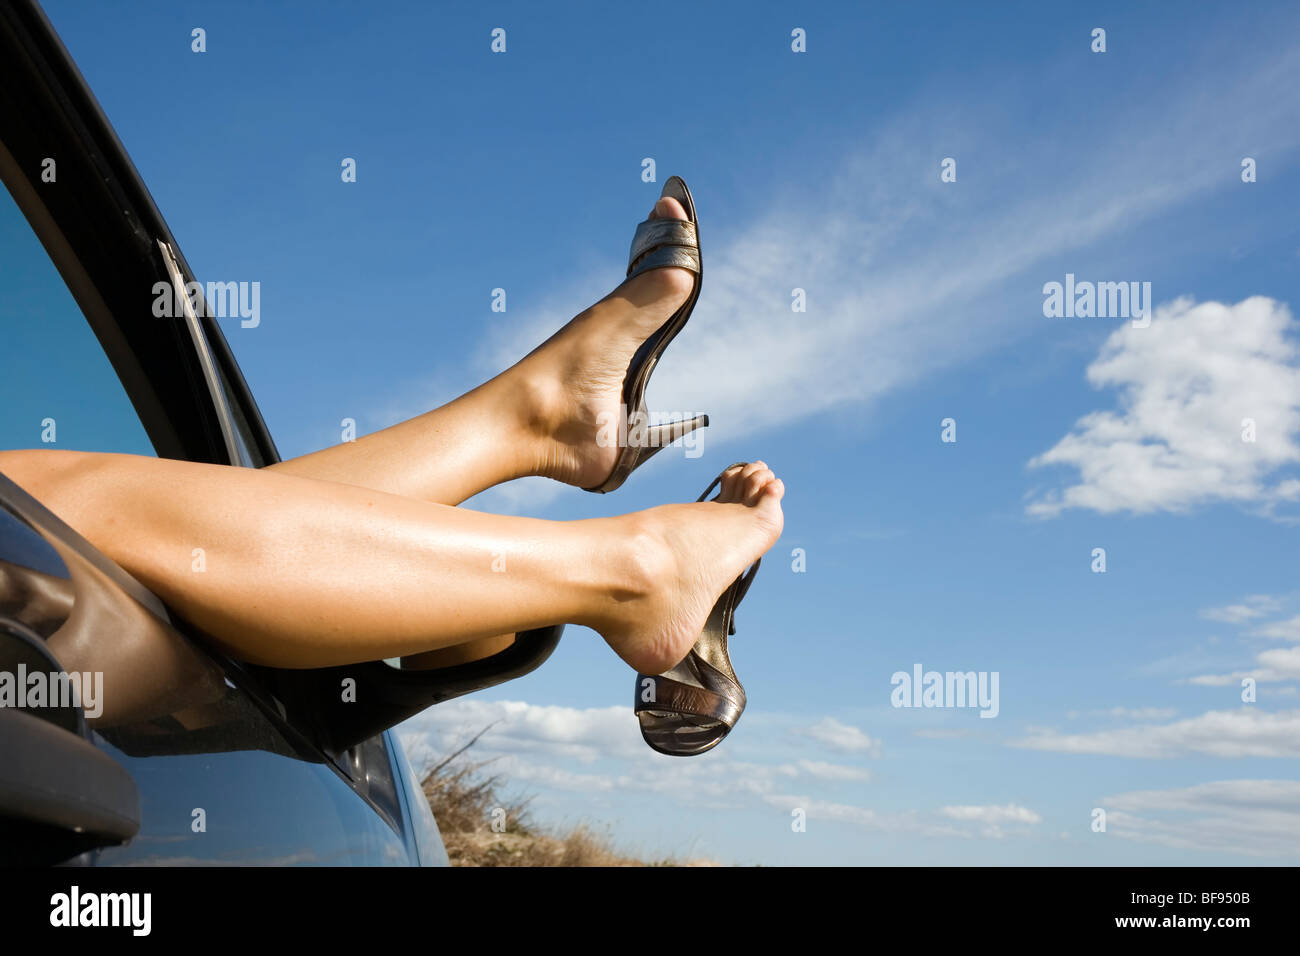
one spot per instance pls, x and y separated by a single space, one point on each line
657 244
689 709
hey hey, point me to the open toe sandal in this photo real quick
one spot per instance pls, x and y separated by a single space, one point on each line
688 709
657 244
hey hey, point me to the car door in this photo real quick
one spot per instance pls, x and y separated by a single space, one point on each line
87 363
218 778
221 776
209 767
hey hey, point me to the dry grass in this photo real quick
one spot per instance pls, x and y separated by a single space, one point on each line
483 827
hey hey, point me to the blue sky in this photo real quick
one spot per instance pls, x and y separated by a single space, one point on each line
820 171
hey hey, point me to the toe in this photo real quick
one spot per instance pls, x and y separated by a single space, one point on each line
661 286
668 208
755 483
730 490
772 492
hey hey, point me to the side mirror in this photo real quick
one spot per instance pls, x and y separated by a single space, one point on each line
59 795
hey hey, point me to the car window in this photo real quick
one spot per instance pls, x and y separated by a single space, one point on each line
57 387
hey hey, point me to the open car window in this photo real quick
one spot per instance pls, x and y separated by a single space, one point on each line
57 386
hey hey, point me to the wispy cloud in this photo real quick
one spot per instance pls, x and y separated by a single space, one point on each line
1273 666
842 737
1010 813
832 771
1245 732
991 819
582 734
608 737
945 733
1288 630
1256 817
953 821
590 756
865 817
1251 607
904 275
1128 713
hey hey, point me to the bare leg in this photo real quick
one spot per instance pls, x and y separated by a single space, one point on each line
539 417
308 573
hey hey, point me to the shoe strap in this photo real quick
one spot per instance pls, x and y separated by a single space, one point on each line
741 586
664 243
741 589
675 696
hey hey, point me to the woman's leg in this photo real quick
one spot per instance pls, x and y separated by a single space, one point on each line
539 417
308 573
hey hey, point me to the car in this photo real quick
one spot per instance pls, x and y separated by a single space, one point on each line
127 738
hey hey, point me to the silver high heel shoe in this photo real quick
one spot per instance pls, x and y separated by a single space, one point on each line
657 244
689 708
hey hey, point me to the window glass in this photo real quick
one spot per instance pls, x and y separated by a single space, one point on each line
57 387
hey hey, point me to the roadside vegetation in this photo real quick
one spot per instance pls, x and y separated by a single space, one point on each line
483 826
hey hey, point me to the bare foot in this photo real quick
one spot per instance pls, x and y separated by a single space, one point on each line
573 381
695 552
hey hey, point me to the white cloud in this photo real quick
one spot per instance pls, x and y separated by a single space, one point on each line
535 742
841 737
1142 713
944 733
520 770
1218 680
1128 713
1255 817
1186 384
832 771
1246 732
1011 813
1288 630
580 734
966 821
865 817
587 757
1251 607
1279 664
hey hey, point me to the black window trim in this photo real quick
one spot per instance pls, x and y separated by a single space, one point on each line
103 238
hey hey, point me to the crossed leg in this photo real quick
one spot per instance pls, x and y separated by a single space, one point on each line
538 417
300 572
534 419
356 553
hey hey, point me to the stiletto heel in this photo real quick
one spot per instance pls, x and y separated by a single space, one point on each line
657 244
689 708
644 444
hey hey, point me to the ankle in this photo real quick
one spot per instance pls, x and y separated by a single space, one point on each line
633 563
525 408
